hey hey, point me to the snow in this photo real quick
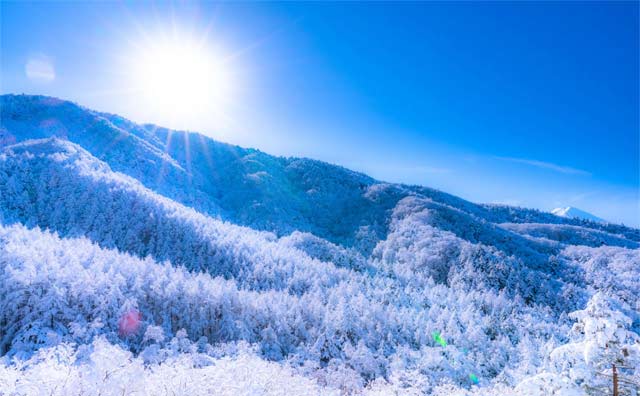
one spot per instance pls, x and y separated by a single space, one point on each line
128 266
576 213
107 369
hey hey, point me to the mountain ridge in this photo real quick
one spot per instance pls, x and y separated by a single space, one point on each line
354 284
244 186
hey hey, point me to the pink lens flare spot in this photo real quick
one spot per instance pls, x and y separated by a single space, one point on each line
129 323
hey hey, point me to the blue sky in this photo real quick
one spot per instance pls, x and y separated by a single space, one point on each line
532 104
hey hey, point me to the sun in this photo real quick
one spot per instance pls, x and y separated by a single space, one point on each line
180 78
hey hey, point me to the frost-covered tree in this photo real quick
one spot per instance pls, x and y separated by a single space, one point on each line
601 338
360 286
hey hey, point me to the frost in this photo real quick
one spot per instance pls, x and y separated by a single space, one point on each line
128 267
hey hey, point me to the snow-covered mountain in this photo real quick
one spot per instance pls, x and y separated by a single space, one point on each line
313 277
575 213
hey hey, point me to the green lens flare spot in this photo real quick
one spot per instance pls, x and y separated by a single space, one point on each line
439 339
473 378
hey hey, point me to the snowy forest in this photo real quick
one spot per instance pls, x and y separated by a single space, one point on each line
135 259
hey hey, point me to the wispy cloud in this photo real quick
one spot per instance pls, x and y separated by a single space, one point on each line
582 197
39 68
411 169
546 165
426 169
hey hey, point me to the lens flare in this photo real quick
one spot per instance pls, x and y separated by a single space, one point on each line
180 78
129 323
439 339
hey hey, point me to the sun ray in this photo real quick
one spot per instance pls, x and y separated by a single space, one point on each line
167 148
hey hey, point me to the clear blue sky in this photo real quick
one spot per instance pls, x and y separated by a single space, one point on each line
533 104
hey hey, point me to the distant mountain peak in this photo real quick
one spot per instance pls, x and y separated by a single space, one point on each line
575 213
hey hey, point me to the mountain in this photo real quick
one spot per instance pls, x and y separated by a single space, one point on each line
575 213
306 274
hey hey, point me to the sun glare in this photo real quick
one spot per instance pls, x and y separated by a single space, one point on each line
180 79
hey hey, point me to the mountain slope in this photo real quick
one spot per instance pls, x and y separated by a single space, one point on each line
243 186
48 183
352 282
315 309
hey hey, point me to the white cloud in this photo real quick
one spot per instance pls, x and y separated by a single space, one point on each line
427 169
40 69
547 165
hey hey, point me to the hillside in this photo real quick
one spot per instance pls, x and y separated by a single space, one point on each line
304 271
243 186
